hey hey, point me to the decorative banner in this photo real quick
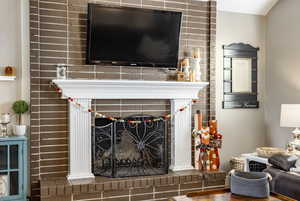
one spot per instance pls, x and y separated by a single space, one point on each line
99 115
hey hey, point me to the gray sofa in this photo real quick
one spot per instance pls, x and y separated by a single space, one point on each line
284 183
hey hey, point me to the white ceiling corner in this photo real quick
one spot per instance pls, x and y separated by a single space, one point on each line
255 7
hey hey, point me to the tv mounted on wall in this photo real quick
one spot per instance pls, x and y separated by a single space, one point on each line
132 36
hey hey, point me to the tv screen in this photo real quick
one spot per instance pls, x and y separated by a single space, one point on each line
133 36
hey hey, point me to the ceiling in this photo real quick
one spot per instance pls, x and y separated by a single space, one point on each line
256 7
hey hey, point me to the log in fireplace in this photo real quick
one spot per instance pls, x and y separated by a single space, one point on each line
123 149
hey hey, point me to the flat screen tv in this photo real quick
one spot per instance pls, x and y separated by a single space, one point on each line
132 36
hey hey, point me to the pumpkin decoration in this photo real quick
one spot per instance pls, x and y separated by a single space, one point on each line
207 144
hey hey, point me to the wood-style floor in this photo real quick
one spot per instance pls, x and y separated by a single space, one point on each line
224 195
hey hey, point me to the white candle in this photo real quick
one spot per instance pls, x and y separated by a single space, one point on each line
196 53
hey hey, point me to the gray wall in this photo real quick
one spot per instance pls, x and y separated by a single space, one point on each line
243 129
283 66
10 51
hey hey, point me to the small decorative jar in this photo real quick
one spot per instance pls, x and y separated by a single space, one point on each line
9 71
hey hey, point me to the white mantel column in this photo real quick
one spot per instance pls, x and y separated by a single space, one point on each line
181 145
80 156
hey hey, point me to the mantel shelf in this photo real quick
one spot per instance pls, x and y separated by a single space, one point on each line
129 89
7 78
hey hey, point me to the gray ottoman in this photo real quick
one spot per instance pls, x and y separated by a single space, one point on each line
252 184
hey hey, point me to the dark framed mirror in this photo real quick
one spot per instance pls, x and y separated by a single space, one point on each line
240 76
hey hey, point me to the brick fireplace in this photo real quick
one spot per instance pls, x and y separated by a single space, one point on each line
58 34
181 95
79 186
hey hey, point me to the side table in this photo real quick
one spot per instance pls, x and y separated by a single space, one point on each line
13 169
253 157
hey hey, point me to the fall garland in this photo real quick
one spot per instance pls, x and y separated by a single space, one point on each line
99 115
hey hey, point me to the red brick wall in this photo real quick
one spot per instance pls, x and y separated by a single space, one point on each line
58 34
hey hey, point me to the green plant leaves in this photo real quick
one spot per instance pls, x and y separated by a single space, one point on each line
20 107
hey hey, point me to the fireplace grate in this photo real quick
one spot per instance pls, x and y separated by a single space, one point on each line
123 149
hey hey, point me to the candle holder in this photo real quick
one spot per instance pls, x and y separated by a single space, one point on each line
4 121
4 130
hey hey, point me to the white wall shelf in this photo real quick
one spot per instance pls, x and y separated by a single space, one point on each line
7 78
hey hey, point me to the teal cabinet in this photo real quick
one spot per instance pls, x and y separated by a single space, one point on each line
13 168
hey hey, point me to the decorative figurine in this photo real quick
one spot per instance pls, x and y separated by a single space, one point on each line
190 66
195 64
207 144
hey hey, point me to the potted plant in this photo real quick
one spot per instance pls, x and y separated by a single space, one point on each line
20 107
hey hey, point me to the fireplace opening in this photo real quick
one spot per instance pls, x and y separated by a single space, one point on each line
123 149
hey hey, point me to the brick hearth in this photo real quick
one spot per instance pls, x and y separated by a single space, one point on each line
130 189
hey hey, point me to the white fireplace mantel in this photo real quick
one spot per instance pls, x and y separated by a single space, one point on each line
180 94
129 89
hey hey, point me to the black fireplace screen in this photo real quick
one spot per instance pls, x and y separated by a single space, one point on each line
123 149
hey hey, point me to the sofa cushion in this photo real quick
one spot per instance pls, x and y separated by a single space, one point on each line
284 162
284 183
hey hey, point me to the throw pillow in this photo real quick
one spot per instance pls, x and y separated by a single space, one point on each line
284 162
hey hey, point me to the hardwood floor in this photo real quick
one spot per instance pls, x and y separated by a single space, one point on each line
224 195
